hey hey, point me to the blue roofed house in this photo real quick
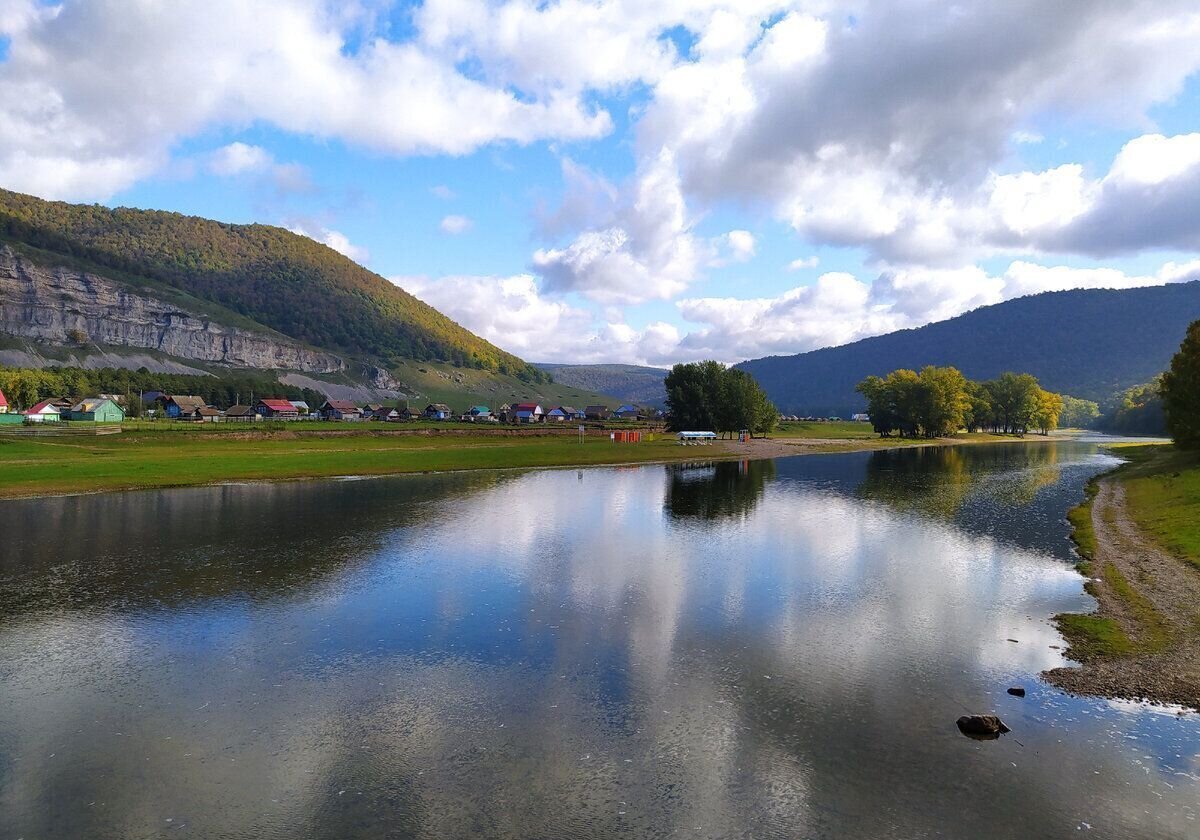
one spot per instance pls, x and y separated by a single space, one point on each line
627 412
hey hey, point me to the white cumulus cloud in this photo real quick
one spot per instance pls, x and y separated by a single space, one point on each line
454 224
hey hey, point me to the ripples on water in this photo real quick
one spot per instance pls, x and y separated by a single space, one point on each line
767 649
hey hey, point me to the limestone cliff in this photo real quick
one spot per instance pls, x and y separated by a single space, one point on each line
64 307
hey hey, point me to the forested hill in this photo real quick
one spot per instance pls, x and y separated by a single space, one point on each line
284 281
634 384
1088 343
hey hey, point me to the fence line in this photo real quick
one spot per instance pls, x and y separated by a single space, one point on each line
60 429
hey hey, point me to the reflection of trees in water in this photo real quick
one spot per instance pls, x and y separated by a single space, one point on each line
936 481
133 550
726 489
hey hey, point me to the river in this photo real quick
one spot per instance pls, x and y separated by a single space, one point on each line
769 649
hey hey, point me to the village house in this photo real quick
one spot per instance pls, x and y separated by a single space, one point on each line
340 410
371 408
180 407
44 412
477 413
627 412
437 411
407 413
97 410
206 414
385 413
527 413
596 412
274 409
3 403
560 414
241 414
302 408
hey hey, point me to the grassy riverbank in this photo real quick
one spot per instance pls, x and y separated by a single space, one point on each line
151 455
1138 535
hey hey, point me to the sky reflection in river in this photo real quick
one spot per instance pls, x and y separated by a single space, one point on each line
769 649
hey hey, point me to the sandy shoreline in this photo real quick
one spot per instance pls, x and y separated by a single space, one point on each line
1161 616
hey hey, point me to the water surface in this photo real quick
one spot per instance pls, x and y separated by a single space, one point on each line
764 649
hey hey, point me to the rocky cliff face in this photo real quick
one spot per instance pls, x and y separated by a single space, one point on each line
60 306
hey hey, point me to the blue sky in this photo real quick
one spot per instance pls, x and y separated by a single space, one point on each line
640 182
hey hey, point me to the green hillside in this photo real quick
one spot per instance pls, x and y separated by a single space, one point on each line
634 384
1089 343
276 278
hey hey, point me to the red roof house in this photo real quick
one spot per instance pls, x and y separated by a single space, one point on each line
44 412
3 403
277 409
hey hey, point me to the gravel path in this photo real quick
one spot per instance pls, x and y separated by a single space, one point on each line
1171 586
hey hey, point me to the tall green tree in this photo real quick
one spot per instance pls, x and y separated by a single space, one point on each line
1078 414
705 396
1046 413
942 400
1181 391
1014 401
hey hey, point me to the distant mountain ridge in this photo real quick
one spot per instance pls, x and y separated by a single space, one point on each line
634 384
1088 343
269 278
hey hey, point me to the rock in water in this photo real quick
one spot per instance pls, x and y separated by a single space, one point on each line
983 727
1017 691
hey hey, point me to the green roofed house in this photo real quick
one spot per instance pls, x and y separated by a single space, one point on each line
96 410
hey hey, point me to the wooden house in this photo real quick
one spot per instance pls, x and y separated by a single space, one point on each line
180 407
341 410
597 412
437 411
96 410
241 414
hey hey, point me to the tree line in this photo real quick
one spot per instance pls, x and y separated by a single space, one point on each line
940 401
25 387
707 396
